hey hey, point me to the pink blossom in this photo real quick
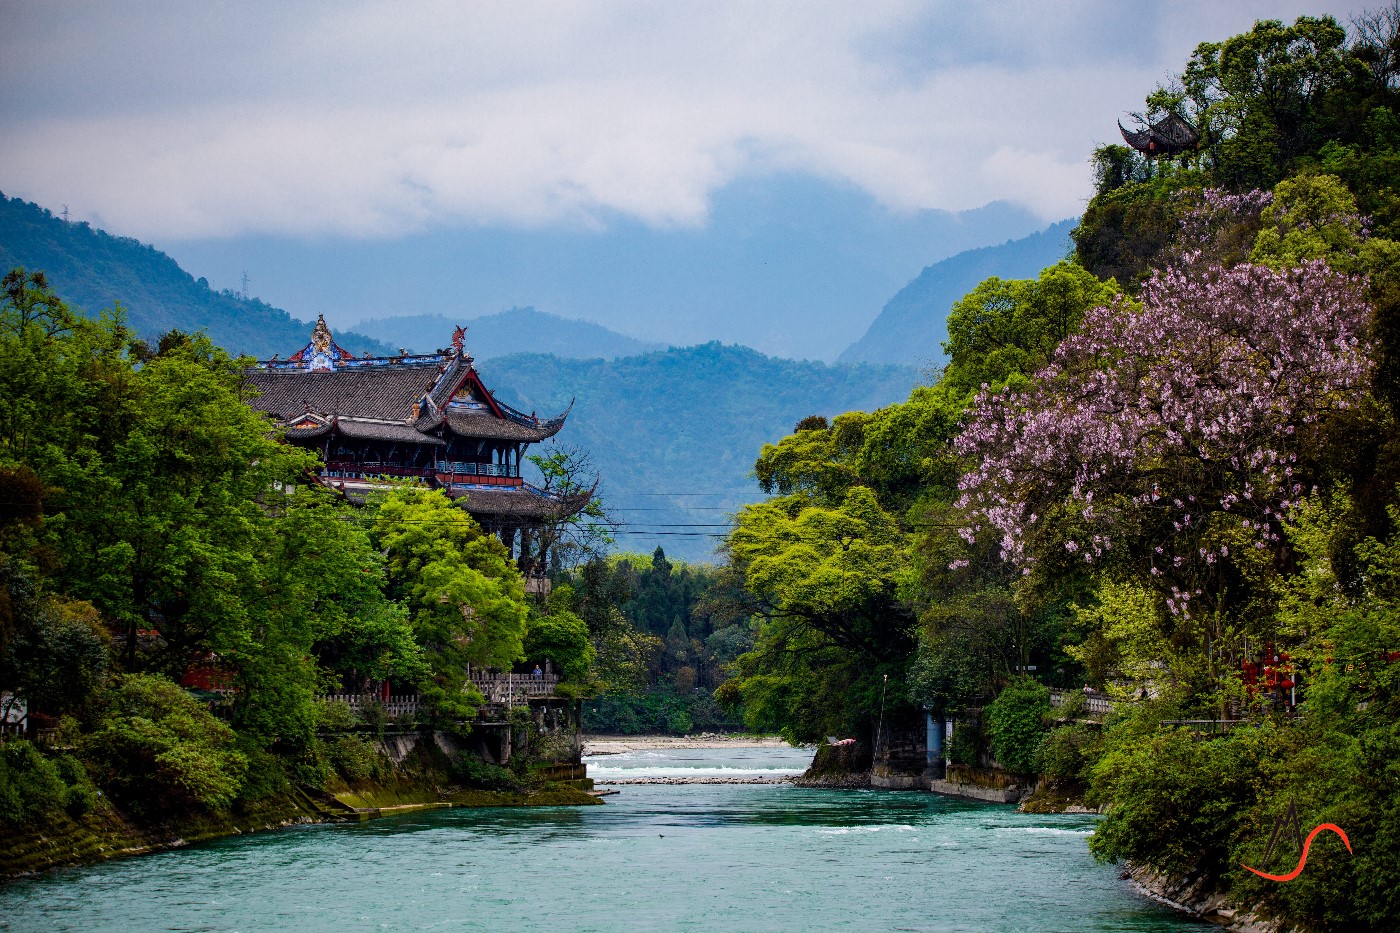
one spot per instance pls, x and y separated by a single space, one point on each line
1189 403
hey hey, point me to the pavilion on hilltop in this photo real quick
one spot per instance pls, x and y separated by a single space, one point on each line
423 416
1167 137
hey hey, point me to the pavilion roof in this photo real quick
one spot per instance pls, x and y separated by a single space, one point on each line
1168 136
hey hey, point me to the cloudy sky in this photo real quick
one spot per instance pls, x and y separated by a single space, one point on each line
206 122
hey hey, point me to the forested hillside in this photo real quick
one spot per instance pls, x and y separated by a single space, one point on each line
672 432
519 330
93 270
911 328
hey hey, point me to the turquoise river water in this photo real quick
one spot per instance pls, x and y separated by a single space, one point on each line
656 857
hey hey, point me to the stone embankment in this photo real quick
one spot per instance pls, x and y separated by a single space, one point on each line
834 780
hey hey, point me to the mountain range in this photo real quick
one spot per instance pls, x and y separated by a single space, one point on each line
912 326
791 265
518 330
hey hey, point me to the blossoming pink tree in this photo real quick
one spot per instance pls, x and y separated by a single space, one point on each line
1163 437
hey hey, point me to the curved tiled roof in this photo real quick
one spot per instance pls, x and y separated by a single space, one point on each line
1168 136
516 501
386 431
385 393
375 398
485 424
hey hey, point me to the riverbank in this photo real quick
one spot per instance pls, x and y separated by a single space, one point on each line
703 759
407 773
107 833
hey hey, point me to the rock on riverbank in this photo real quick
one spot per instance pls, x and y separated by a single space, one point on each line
1193 896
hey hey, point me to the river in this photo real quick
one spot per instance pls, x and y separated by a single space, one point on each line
656 857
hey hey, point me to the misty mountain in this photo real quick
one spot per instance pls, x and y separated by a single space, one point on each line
519 330
674 434
93 270
791 265
914 323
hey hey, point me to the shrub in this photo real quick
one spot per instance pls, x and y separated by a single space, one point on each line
1016 724
1176 800
267 772
153 744
375 716
475 772
1066 752
354 757
30 784
82 794
334 715
965 748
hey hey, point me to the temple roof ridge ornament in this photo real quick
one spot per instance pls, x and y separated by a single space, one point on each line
321 354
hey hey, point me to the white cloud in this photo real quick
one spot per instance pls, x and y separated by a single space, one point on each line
193 120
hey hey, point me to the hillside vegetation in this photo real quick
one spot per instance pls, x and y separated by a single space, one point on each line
1166 470
94 271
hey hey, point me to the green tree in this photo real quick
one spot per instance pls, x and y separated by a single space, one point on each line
826 584
1016 724
466 598
154 746
1003 331
562 637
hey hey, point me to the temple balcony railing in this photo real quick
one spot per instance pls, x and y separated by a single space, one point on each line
369 469
466 468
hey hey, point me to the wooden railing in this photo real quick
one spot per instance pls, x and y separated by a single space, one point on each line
469 468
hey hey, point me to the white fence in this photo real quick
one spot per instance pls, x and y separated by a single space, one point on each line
514 689
498 689
1094 703
394 706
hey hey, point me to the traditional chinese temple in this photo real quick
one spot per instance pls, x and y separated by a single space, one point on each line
423 416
